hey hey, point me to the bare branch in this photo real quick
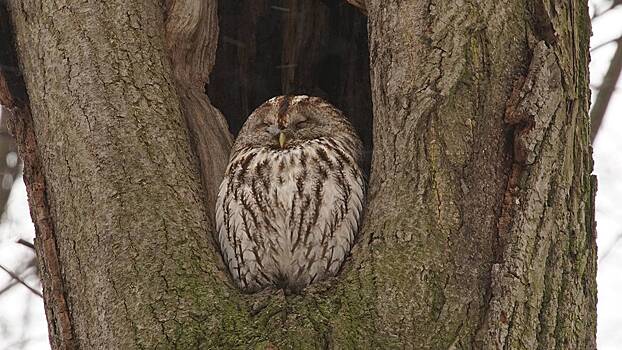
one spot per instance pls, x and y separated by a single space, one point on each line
12 284
21 281
26 243
614 4
601 45
610 248
360 4
606 90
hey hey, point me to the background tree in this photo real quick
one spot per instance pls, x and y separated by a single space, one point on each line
604 92
479 230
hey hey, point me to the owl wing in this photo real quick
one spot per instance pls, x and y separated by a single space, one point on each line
289 219
327 218
237 226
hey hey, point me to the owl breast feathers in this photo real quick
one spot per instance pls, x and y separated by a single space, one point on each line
290 204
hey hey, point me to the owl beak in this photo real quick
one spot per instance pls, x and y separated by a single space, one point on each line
282 139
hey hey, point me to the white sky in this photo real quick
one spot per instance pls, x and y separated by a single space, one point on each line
22 321
608 168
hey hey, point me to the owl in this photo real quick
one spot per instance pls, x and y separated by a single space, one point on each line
290 205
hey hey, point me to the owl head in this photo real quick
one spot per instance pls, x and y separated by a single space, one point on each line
285 122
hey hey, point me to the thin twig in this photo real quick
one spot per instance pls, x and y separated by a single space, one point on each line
360 4
614 4
597 87
599 108
18 279
610 248
605 44
26 243
279 8
8 286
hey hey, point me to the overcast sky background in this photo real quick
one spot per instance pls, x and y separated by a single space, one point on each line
22 320
608 168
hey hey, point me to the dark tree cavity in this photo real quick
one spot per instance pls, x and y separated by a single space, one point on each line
274 47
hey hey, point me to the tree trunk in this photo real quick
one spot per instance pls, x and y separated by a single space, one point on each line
491 100
479 229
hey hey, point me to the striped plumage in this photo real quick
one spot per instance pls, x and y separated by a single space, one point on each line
289 207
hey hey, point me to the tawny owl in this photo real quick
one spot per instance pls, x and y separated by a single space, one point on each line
290 204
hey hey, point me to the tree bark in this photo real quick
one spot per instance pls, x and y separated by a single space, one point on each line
499 239
191 38
128 235
479 229
13 95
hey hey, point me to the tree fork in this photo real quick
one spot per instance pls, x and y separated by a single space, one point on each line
112 95
191 39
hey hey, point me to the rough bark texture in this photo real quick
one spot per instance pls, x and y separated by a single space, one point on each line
127 216
14 97
191 38
479 230
498 232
